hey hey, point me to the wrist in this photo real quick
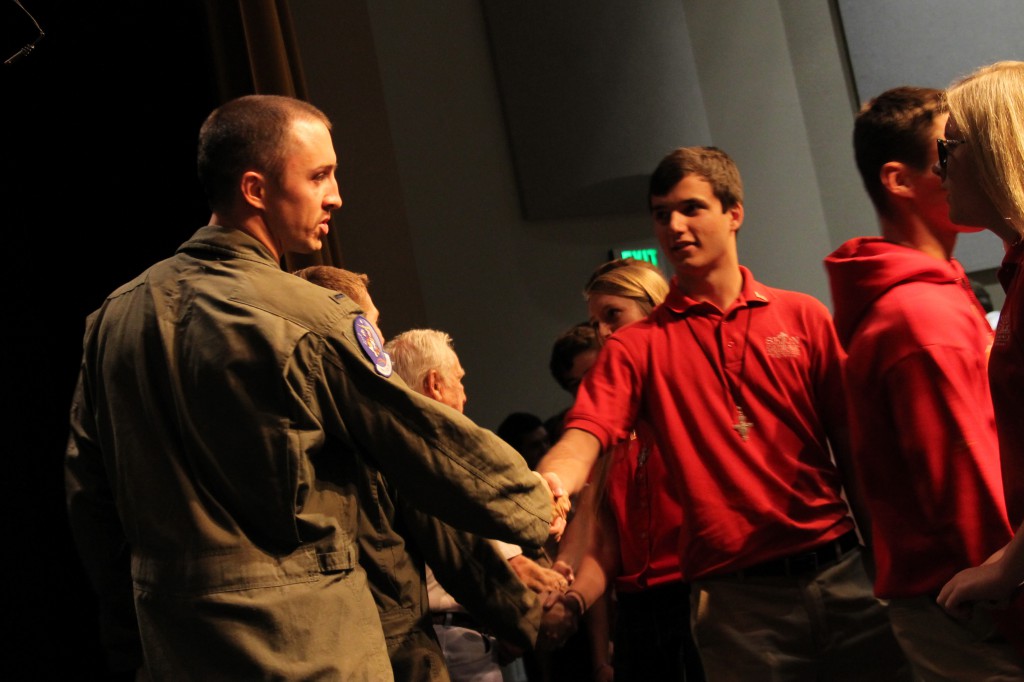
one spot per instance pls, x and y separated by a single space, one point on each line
579 599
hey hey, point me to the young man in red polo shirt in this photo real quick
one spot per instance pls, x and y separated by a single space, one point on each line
742 386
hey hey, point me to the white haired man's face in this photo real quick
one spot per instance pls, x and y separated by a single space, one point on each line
452 392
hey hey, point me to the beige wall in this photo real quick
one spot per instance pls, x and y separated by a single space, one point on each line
432 211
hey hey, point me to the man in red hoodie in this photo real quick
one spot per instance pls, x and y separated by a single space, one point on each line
921 421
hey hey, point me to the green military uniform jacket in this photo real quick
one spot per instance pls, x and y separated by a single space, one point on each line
396 539
211 470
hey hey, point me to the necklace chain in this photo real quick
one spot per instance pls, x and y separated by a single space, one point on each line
742 425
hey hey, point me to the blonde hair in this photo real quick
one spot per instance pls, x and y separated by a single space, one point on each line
988 107
417 351
634 279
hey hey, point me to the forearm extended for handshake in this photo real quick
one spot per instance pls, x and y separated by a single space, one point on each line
566 466
570 460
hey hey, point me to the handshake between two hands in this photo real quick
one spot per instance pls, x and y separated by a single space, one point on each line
562 607
559 501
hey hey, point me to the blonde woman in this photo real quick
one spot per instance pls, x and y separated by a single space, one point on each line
629 523
981 163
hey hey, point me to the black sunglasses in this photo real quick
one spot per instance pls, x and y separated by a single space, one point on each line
945 147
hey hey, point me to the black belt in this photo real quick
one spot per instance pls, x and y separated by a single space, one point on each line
457 619
667 594
808 562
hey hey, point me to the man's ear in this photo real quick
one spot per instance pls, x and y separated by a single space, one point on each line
432 384
895 178
254 189
736 216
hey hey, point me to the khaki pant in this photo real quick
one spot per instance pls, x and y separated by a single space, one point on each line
825 625
941 648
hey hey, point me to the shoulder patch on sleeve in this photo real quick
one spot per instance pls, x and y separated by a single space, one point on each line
372 345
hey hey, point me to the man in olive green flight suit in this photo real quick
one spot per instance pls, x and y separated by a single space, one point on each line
395 539
221 402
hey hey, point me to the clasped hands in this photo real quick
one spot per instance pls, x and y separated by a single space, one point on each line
562 612
560 619
559 502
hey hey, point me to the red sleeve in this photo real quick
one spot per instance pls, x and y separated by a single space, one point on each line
608 399
942 413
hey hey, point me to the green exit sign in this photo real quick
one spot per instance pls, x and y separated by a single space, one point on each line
642 249
649 255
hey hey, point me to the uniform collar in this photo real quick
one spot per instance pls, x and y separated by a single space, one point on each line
228 242
752 293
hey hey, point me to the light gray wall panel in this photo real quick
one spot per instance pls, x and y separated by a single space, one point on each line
755 114
828 101
593 95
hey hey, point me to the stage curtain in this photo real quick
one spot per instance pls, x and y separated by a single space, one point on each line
255 51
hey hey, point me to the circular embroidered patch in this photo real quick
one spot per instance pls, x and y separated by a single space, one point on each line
372 345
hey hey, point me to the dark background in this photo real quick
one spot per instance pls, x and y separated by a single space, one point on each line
98 153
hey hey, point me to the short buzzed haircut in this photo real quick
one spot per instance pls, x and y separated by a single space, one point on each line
247 133
897 125
710 163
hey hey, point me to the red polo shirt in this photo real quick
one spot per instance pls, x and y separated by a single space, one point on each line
646 516
680 371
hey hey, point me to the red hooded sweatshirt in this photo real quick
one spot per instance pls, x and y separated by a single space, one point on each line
921 420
